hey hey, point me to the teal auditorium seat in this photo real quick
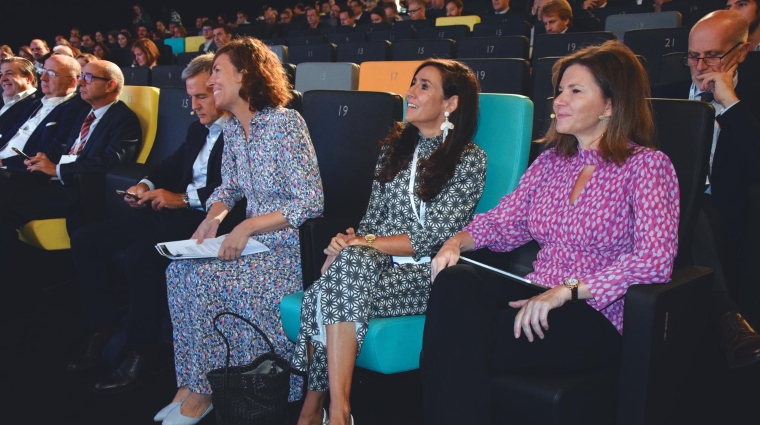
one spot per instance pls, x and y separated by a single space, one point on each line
393 345
178 44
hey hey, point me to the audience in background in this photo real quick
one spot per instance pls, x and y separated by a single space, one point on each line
347 17
207 29
557 16
140 18
101 51
391 13
142 31
750 9
161 29
5 52
312 18
26 53
40 51
242 18
62 49
454 7
222 36
145 53
416 10
99 37
377 15
122 54
358 8
75 41
179 31
435 5
87 44
85 58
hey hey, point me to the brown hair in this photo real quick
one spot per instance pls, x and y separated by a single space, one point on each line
457 80
265 83
25 67
623 82
561 8
149 49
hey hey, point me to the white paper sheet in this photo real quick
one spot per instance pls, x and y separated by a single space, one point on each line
189 249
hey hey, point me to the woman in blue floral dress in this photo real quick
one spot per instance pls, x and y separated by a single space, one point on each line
268 159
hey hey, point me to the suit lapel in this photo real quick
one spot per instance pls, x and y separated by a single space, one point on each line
100 128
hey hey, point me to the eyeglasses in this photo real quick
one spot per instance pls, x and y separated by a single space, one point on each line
414 10
52 73
709 61
88 78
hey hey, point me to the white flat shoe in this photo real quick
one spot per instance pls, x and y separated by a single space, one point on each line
165 411
325 418
175 417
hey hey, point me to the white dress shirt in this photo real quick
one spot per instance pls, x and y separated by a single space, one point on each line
200 166
22 135
98 115
11 100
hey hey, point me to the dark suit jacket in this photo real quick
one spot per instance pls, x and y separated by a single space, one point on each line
211 48
364 19
114 140
9 119
736 162
176 172
54 128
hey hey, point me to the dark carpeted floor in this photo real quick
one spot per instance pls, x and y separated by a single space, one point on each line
40 328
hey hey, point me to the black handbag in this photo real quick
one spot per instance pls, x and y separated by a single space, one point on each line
256 393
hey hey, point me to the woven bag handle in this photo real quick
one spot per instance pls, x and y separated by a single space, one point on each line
227 342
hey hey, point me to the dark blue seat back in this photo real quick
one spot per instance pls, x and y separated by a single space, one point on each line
136 76
423 49
494 47
509 76
379 50
168 76
312 53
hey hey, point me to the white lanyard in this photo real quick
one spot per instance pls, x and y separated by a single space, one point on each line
412 178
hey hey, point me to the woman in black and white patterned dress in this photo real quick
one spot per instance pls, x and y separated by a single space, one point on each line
383 268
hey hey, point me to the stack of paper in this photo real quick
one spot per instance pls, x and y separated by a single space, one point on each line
191 249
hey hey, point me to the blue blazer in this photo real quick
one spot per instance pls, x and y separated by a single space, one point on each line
114 140
14 113
54 128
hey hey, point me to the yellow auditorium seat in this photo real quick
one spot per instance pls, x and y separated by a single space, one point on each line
470 21
193 43
51 234
387 76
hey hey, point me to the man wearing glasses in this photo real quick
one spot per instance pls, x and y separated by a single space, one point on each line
208 46
717 47
104 133
416 10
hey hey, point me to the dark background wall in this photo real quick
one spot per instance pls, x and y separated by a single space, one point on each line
23 20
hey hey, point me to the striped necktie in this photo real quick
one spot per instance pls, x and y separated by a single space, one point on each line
83 134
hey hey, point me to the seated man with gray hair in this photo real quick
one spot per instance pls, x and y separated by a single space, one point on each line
173 196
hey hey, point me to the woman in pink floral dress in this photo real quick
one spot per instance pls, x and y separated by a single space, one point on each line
602 203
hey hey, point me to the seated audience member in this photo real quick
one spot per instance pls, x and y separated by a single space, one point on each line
19 83
312 18
416 10
208 46
335 12
112 38
85 58
454 7
179 31
75 41
299 13
140 18
101 51
63 50
41 52
325 8
391 13
161 28
593 4
123 54
285 16
717 47
384 266
242 18
750 9
75 32
222 36
177 189
283 189
347 17
61 40
99 37
87 44
145 53
48 120
598 235
557 16
500 7
26 53
377 15
222 20
270 17
359 16
5 52
104 134
199 26
142 31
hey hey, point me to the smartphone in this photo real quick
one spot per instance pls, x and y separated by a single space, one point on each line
18 152
125 193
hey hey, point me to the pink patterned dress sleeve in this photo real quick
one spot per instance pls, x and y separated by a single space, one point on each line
621 230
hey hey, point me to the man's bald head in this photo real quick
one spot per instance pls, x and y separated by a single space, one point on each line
727 25
105 86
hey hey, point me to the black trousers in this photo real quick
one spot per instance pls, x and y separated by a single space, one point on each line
93 247
469 338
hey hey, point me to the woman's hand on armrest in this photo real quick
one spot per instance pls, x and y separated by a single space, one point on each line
450 252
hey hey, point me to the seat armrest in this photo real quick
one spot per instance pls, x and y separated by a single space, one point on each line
665 330
315 235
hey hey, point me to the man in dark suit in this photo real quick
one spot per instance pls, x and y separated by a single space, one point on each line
557 16
177 189
47 120
208 35
717 47
360 16
19 83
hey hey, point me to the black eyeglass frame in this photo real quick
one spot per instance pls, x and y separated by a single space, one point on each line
696 60
87 78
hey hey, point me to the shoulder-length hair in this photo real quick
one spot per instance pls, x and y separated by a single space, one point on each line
265 83
623 82
149 48
457 80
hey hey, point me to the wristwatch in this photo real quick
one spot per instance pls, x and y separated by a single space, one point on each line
370 238
186 200
572 284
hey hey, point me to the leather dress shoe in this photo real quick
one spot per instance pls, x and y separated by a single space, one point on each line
130 374
740 343
175 417
92 354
